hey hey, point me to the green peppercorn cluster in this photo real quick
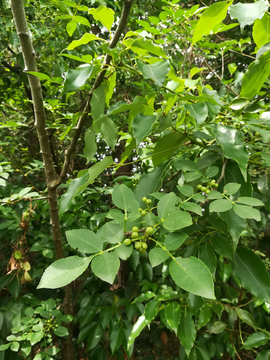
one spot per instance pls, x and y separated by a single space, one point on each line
139 241
208 188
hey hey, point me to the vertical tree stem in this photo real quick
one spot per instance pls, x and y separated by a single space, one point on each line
28 53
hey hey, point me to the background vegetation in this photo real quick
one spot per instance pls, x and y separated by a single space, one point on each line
134 186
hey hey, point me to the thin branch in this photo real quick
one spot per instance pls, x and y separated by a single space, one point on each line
68 153
214 72
222 171
237 52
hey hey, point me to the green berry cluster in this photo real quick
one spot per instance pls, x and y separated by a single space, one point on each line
148 203
140 241
208 188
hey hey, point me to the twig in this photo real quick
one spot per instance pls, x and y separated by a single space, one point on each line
237 52
213 71
222 171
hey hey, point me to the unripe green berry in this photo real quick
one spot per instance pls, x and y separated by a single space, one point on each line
199 187
144 212
135 229
140 210
213 182
203 188
134 235
144 199
207 191
216 185
148 201
142 251
144 246
127 242
138 245
149 230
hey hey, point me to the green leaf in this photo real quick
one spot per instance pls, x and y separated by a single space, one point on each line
15 346
261 30
113 233
214 194
255 76
148 46
149 183
36 337
71 27
176 220
85 39
255 340
84 240
189 206
235 224
75 79
251 272
98 168
220 205
198 111
106 266
166 205
157 71
166 146
207 255
191 176
145 319
218 327
173 315
172 219
90 148
98 104
231 188
192 275
239 103
250 201
116 339
205 315
212 16
142 125
222 245
186 190
63 271
123 251
187 331
232 145
72 191
246 14
39 75
174 240
109 131
82 20
104 15
263 355
138 104
157 256
111 83
122 197
94 337
247 212
246 317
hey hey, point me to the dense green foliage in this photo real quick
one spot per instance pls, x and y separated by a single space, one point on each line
164 207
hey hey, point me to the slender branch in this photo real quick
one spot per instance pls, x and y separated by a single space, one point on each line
222 171
219 78
68 153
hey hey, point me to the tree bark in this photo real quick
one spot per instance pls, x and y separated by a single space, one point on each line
28 53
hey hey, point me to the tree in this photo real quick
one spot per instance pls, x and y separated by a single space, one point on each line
155 148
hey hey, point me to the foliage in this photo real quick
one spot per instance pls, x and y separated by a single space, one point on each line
165 209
